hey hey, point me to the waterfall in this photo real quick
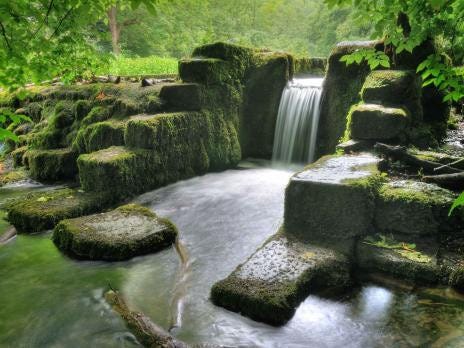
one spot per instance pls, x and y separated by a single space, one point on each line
297 121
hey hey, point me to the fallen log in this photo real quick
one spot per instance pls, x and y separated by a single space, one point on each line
146 331
6 237
399 153
454 181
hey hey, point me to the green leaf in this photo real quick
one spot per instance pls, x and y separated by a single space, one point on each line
457 203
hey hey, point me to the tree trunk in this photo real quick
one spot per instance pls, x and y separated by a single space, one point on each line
115 30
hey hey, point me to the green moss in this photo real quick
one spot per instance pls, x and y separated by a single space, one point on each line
12 176
116 235
265 81
41 211
416 208
341 90
372 122
17 156
99 136
81 109
311 66
185 96
97 114
52 165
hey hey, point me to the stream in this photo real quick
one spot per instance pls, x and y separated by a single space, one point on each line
49 300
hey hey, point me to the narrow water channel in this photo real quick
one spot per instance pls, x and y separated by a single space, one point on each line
49 300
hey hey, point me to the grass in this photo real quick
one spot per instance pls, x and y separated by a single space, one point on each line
153 65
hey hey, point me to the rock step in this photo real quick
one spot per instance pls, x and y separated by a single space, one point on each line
376 122
207 71
120 234
51 165
332 199
416 266
40 211
417 208
183 96
391 87
278 277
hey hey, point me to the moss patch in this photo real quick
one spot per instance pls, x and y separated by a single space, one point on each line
99 136
41 211
52 165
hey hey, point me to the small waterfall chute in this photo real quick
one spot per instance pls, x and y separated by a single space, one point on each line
297 121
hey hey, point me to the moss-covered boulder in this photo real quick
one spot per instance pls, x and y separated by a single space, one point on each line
208 71
99 136
41 211
341 90
17 156
52 165
332 200
120 234
266 79
313 66
271 284
417 265
185 96
416 208
376 122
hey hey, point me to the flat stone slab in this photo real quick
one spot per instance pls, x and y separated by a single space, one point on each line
37 212
417 266
278 277
120 234
332 198
377 122
416 208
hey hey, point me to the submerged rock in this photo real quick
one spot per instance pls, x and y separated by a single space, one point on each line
120 234
278 277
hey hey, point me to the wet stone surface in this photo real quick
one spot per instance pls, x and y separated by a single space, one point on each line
335 170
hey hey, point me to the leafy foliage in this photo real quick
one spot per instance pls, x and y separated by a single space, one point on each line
457 203
373 57
406 24
10 119
152 65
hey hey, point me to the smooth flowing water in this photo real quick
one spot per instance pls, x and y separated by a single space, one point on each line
49 300
297 121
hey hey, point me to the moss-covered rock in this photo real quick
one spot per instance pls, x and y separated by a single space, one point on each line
310 66
416 208
266 79
341 90
376 122
41 211
17 156
332 199
390 86
12 176
52 165
99 136
208 71
278 277
120 234
96 114
185 97
417 266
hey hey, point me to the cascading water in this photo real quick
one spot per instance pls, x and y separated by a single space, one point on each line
297 121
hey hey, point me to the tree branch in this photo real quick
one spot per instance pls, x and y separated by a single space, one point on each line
5 37
61 22
45 20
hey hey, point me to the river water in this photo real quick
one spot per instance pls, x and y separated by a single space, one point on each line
49 300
